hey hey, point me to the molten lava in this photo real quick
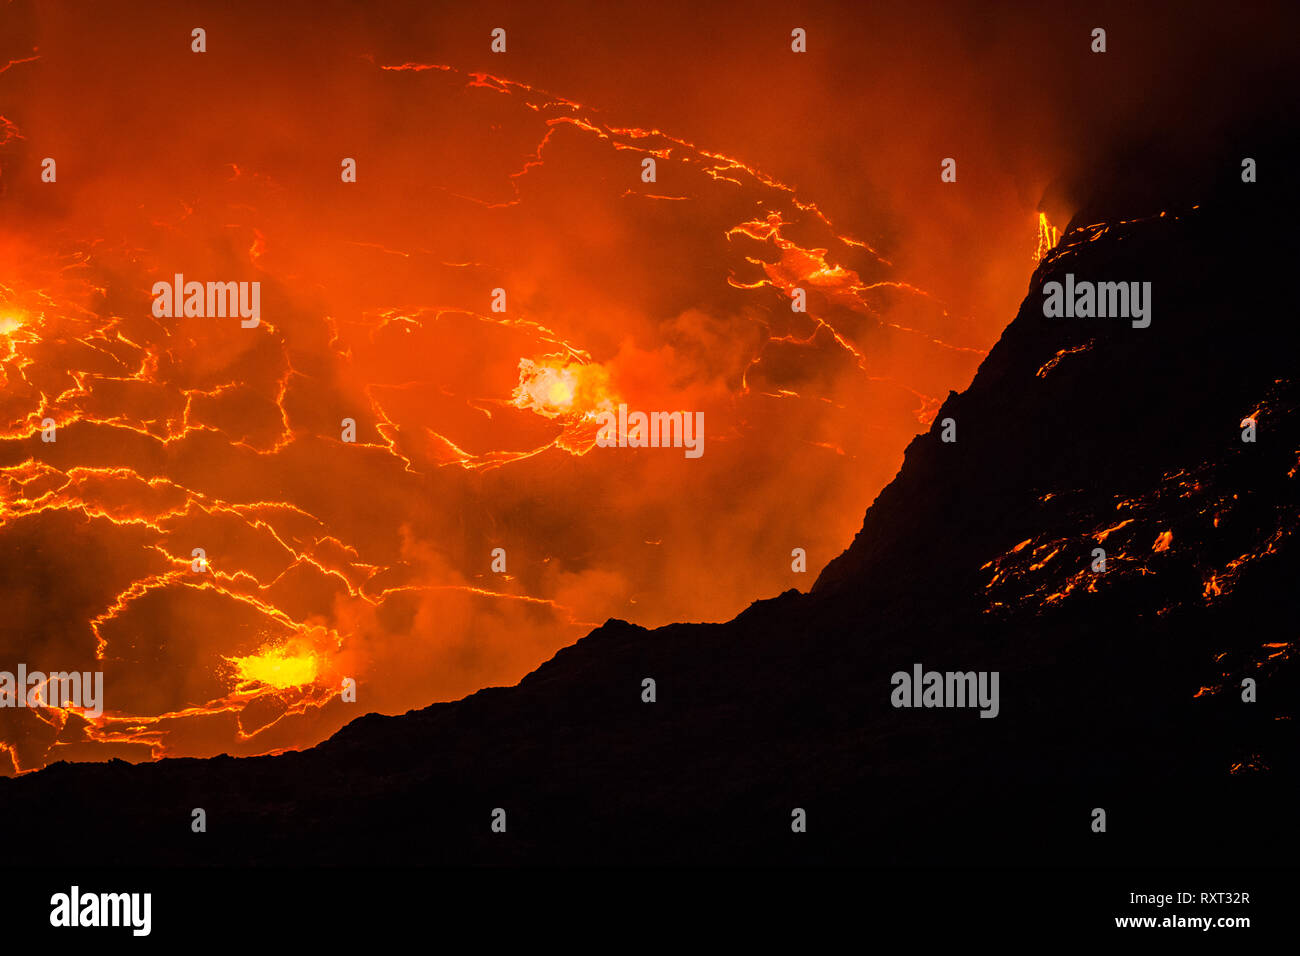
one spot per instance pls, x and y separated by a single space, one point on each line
279 667
350 466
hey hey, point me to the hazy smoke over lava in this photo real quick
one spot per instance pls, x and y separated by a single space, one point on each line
474 429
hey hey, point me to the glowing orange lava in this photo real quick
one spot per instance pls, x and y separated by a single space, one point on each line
282 667
559 388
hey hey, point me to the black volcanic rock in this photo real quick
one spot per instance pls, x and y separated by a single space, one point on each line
1117 690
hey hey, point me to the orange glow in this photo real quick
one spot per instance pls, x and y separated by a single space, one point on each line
1048 237
370 556
278 667
556 388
